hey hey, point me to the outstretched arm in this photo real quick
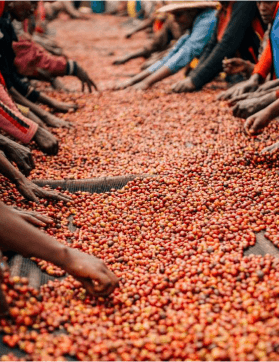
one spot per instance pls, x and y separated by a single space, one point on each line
261 119
17 153
26 187
144 25
86 268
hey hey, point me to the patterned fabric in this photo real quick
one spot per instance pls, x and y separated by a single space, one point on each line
12 121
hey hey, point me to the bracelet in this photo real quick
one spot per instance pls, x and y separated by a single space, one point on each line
71 67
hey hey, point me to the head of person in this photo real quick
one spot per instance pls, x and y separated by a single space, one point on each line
224 4
186 17
267 9
21 10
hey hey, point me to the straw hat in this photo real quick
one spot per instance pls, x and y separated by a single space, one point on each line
184 5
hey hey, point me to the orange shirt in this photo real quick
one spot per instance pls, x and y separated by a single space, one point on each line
264 66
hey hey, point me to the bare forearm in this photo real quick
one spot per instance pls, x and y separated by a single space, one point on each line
4 141
139 77
25 102
9 171
160 74
35 243
145 24
273 109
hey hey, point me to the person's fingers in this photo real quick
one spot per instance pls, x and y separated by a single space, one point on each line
271 149
104 286
44 218
89 86
248 123
31 161
82 86
221 96
29 195
24 167
55 148
256 126
33 220
235 110
94 85
55 196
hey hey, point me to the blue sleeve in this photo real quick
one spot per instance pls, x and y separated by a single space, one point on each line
202 31
172 52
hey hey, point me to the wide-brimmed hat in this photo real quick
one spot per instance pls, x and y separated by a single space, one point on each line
184 5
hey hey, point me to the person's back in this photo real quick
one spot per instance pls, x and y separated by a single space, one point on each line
234 34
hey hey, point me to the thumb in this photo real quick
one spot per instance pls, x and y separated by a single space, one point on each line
249 122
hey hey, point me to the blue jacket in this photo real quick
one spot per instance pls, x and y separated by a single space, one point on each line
189 46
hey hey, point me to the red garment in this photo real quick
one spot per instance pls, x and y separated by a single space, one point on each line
158 25
264 66
12 121
30 56
224 19
40 15
2 7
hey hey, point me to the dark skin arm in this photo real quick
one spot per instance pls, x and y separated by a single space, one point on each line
247 107
241 88
86 268
153 78
33 218
139 53
64 107
144 25
128 83
19 154
57 106
26 187
255 123
45 116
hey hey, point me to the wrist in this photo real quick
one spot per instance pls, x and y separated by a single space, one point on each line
4 143
61 256
256 79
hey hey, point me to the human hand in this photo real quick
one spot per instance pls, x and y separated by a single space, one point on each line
267 86
239 89
46 141
119 61
88 270
234 65
33 218
84 78
141 86
250 106
237 99
55 122
21 155
255 123
271 149
63 107
123 85
32 192
58 85
185 85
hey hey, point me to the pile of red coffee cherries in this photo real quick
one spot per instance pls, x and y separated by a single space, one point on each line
175 240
